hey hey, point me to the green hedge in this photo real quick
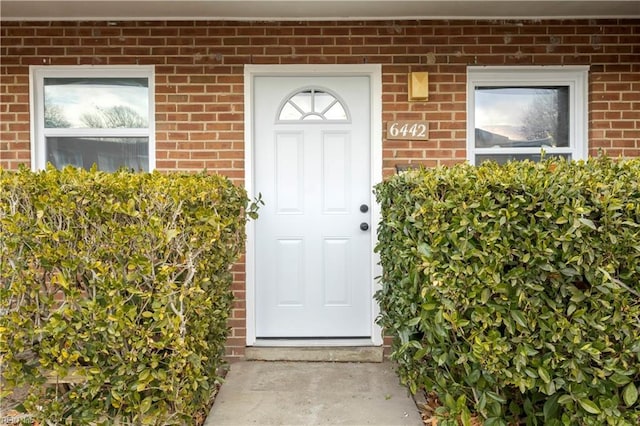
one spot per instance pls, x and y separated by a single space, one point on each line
513 291
123 279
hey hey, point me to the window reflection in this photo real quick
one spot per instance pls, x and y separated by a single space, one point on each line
96 103
108 153
522 117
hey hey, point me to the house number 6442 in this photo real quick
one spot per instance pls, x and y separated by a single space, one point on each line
413 130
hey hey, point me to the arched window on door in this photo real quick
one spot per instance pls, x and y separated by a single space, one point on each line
313 104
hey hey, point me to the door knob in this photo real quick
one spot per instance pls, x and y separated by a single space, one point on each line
364 226
364 208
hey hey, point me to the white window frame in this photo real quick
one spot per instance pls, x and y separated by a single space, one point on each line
573 77
39 133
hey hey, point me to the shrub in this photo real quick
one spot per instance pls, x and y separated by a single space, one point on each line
514 291
123 279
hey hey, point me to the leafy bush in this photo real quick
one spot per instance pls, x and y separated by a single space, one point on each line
513 291
123 279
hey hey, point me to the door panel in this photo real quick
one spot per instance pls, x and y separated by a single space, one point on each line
335 279
336 178
289 170
289 272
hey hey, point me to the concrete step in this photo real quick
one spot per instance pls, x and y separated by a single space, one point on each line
320 353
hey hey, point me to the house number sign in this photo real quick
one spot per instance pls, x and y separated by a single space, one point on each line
408 130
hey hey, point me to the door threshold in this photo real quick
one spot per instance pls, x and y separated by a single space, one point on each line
313 342
325 353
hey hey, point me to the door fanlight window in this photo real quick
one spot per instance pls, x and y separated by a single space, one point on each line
313 105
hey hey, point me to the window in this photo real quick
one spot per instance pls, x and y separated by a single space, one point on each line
517 113
85 116
312 104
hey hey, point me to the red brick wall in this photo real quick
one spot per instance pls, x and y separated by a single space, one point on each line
199 80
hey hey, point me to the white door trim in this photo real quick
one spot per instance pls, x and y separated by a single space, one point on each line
374 72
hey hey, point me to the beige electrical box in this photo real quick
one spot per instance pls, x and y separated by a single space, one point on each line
418 86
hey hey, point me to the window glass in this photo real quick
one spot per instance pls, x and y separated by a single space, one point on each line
109 154
303 100
290 112
335 112
323 101
522 116
96 103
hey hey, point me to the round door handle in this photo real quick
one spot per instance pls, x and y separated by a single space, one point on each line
364 226
364 208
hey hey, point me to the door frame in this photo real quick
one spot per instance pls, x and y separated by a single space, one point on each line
374 72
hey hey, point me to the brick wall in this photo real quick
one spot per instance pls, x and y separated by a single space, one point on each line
199 80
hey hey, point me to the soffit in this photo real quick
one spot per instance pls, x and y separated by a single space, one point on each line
292 10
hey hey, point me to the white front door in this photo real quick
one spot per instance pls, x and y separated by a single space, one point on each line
312 168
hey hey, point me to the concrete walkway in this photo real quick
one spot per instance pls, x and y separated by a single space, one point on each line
312 393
